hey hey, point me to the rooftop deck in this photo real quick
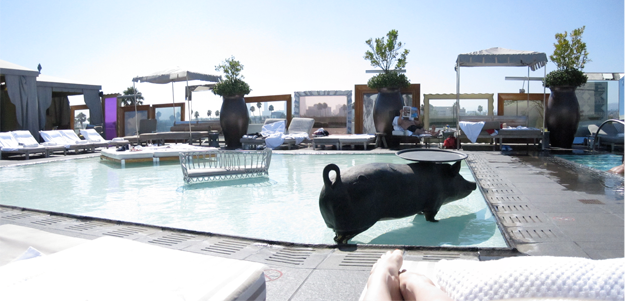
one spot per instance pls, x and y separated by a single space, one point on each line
544 207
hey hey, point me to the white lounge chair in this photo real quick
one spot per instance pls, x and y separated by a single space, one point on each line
111 268
26 139
10 146
71 135
93 136
69 144
298 132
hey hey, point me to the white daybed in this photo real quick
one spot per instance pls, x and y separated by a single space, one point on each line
149 154
111 268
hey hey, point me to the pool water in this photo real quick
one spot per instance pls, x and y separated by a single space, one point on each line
597 161
283 207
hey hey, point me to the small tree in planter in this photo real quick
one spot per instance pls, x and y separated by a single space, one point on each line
562 114
384 54
233 117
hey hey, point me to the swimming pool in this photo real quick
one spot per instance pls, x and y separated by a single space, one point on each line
283 207
597 161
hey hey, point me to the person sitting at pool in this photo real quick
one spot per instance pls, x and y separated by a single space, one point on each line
387 282
619 170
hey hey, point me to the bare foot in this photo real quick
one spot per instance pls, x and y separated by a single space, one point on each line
383 283
415 286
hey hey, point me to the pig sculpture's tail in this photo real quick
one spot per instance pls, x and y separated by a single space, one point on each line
326 175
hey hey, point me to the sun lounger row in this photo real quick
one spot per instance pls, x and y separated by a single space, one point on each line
219 165
23 143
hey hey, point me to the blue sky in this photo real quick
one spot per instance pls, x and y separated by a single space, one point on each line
289 46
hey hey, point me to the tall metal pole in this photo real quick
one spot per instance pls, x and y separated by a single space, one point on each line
528 93
457 104
136 114
173 105
187 96
544 102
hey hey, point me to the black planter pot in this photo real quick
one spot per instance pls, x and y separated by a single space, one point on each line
562 116
386 107
234 120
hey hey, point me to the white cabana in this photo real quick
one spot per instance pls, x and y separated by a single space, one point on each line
172 76
498 57
21 87
47 86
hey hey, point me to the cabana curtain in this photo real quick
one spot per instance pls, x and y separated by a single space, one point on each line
47 85
92 100
22 92
44 95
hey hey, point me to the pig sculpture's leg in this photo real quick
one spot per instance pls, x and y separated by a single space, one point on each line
342 239
429 216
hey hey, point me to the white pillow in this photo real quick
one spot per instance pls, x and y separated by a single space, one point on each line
532 277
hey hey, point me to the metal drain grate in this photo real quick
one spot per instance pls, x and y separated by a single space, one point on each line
512 208
500 191
483 169
125 232
591 201
484 175
172 239
49 221
514 219
439 257
494 185
19 216
505 199
292 256
85 226
361 259
532 235
226 247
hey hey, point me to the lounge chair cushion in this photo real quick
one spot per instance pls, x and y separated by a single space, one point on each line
92 135
110 268
14 240
25 138
532 277
8 141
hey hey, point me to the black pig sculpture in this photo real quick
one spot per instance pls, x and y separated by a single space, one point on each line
353 202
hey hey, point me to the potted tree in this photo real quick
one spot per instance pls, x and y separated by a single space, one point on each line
233 116
385 54
562 113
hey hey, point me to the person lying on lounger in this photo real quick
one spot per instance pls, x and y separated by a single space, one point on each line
405 124
619 170
387 282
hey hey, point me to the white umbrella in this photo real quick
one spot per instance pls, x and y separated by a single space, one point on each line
172 76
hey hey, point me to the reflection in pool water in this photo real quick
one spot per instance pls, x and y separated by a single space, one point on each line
283 207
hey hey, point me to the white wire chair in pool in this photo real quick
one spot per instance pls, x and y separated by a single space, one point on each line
222 165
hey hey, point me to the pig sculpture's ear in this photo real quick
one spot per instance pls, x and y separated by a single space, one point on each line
455 168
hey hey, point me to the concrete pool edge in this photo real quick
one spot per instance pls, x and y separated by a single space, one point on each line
85 219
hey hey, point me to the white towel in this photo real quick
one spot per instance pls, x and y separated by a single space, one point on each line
471 129
532 277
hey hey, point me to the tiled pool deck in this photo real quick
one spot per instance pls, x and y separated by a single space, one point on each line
544 207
